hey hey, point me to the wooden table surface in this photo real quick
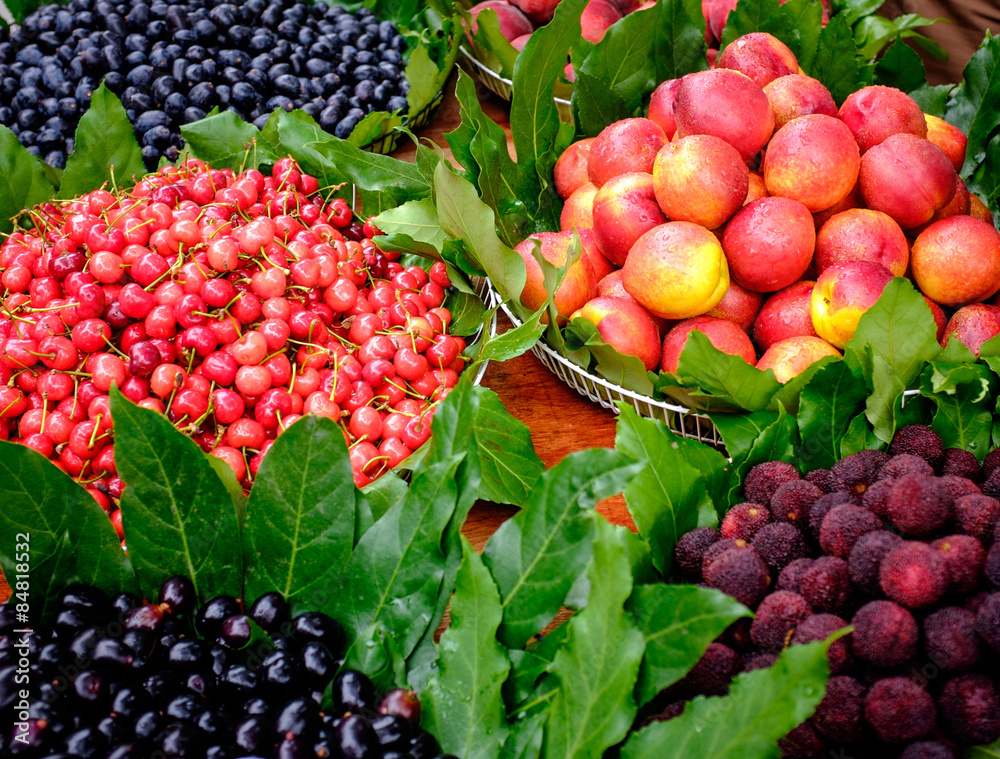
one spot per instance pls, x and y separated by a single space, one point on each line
560 420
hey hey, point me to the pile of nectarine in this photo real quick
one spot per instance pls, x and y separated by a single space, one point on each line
747 206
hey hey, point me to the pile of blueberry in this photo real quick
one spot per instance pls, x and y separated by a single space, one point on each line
117 678
173 63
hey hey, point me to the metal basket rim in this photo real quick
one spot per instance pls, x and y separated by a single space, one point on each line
486 71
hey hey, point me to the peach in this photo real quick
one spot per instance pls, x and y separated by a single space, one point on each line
625 326
578 285
853 199
973 325
614 285
862 235
795 95
630 6
793 356
739 306
661 106
877 112
950 139
518 43
785 314
677 270
956 261
624 146
597 18
812 159
539 11
769 244
570 171
908 178
960 205
940 320
602 266
716 13
724 335
579 208
842 293
701 179
756 188
728 105
624 210
759 55
513 23
979 210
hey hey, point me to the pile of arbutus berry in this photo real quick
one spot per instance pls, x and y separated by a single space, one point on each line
232 303
119 678
900 545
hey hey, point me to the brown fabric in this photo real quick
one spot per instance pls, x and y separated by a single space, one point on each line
961 38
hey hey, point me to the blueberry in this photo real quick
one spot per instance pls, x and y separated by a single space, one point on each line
140 76
202 96
191 114
162 87
288 85
174 105
143 124
135 58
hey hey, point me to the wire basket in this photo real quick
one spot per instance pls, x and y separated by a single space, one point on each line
679 419
491 299
502 86
388 143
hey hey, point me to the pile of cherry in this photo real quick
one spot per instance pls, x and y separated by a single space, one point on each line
232 303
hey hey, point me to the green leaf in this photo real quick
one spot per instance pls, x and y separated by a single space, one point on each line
854 10
464 216
739 431
534 118
983 752
622 369
394 575
105 148
178 516
831 399
836 64
666 497
965 404
422 74
893 341
762 707
384 493
972 106
536 556
513 342
467 313
775 440
225 141
796 23
596 668
490 43
66 536
900 67
23 183
418 219
875 32
932 99
462 703
680 48
859 437
720 375
679 622
301 516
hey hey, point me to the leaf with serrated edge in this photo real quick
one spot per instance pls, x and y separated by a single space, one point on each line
835 64
225 141
724 376
681 47
395 572
596 668
828 403
665 497
964 401
762 707
23 183
301 515
537 555
70 538
679 622
105 147
178 516
416 218
462 703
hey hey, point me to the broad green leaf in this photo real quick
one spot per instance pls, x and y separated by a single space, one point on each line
796 23
468 313
900 67
225 141
462 703
991 751
666 497
489 40
67 537
533 662
828 403
893 341
955 352
739 431
972 107
854 10
514 342
394 575
776 440
105 148
762 707
464 216
749 16
932 99
678 622
418 219
596 668
376 653
525 740
859 437
383 493
720 375
178 516
422 74
622 369
301 516
962 394
680 48
23 183
875 32
536 556
836 65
